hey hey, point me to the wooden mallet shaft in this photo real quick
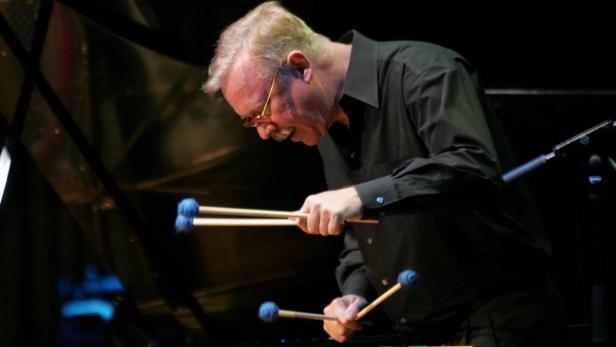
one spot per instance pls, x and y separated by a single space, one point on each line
241 222
246 212
379 300
304 315
405 278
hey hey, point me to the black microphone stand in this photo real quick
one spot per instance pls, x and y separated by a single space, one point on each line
598 301
596 165
560 150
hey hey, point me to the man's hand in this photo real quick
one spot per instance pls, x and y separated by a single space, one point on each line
345 309
328 210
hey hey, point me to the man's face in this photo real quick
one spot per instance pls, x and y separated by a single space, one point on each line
296 109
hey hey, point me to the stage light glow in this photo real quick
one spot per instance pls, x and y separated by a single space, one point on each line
88 307
5 165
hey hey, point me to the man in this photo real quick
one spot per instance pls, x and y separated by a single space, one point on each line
405 133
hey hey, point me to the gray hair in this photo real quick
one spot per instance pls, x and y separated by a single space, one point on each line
269 32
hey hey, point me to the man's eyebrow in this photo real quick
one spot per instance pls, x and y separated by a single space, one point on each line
250 113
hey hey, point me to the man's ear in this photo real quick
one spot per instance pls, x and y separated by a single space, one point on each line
298 63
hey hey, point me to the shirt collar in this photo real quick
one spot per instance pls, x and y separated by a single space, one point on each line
361 78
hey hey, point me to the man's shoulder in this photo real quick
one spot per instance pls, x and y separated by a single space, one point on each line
418 56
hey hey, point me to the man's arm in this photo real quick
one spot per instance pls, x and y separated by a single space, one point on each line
444 106
460 172
355 287
351 272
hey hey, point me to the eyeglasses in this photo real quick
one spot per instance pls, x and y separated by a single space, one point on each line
252 121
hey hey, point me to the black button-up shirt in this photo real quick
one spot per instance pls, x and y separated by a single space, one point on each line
425 154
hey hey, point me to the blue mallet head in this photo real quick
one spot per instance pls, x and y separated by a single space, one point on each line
407 277
188 208
268 312
183 224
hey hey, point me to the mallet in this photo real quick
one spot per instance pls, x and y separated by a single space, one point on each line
405 278
190 208
186 224
269 312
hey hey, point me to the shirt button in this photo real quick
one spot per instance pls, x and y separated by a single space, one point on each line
369 240
384 281
403 320
379 200
353 154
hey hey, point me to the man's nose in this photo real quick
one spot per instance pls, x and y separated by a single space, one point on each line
265 131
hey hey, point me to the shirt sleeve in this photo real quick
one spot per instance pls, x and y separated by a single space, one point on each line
351 272
444 107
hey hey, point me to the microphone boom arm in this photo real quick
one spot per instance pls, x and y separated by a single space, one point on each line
557 151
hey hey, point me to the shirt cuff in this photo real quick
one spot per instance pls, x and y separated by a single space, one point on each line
377 193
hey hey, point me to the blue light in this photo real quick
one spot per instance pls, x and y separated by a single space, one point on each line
103 285
97 307
65 288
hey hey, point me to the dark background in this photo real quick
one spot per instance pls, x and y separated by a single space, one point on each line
564 54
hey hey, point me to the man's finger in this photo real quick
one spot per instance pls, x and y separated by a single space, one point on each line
324 224
334 225
312 222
